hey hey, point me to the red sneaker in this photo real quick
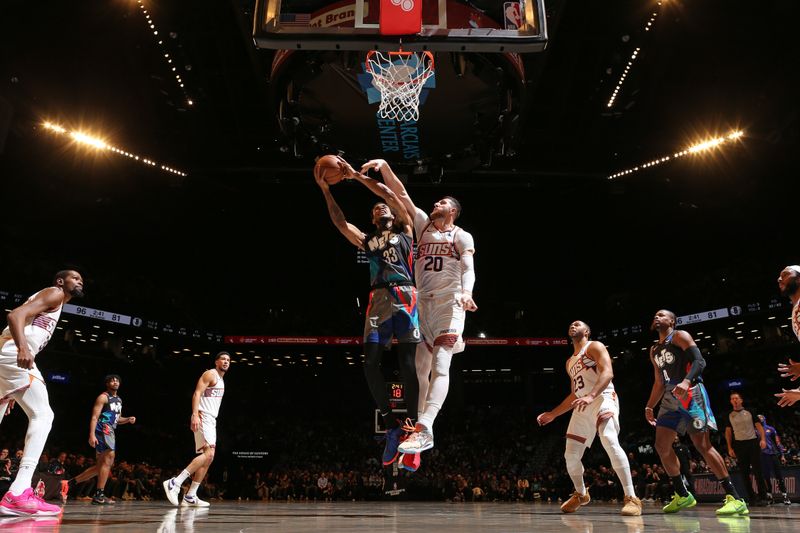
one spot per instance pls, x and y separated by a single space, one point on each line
410 461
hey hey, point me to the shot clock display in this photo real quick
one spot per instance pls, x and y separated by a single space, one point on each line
397 394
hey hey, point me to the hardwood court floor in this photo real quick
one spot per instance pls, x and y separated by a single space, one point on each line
411 517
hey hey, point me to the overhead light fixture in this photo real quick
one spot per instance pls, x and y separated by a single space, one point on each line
99 144
703 146
647 27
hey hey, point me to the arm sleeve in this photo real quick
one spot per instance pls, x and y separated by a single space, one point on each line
698 363
467 272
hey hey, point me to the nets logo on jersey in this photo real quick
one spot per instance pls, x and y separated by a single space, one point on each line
663 358
379 242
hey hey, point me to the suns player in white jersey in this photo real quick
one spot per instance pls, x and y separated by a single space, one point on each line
595 409
206 400
29 328
789 285
444 272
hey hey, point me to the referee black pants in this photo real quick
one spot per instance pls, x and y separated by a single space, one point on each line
748 457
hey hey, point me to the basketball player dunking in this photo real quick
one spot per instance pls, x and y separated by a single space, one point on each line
392 308
206 400
595 410
30 326
445 276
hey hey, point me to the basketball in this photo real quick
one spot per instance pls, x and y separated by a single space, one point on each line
328 168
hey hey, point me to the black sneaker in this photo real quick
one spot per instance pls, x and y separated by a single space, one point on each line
786 500
102 499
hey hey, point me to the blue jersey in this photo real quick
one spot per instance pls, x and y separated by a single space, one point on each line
110 414
389 254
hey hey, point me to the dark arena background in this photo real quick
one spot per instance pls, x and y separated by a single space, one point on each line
631 156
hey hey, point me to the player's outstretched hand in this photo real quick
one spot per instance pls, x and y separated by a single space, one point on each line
788 397
373 164
792 370
348 172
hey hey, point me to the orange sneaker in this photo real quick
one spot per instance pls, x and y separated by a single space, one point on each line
575 502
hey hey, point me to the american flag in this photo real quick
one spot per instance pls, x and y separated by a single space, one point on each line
295 19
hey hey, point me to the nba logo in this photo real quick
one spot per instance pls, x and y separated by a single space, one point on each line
513 15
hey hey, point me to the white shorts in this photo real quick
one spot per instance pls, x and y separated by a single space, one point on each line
441 321
14 379
206 434
583 424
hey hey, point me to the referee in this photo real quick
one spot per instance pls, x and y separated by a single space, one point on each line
745 445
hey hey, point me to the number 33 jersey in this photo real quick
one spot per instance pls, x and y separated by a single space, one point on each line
583 372
437 269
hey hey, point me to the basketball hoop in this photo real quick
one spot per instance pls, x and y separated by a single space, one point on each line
399 78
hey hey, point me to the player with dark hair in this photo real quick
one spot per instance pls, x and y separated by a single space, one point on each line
595 410
206 401
789 285
678 385
30 327
392 307
106 415
445 276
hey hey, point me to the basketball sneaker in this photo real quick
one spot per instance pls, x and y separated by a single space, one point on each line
732 506
632 507
417 442
393 438
101 499
193 501
575 502
786 499
679 502
172 490
410 461
27 504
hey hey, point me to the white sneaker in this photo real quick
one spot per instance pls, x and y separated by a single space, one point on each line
193 501
172 490
417 442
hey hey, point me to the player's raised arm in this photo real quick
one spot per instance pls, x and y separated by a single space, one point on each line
350 232
393 182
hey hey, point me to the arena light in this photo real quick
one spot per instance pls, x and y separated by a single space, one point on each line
707 145
634 55
99 144
168 59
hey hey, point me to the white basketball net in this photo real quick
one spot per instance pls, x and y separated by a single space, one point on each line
399 78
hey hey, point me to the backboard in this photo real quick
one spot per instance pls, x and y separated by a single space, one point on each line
447 25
